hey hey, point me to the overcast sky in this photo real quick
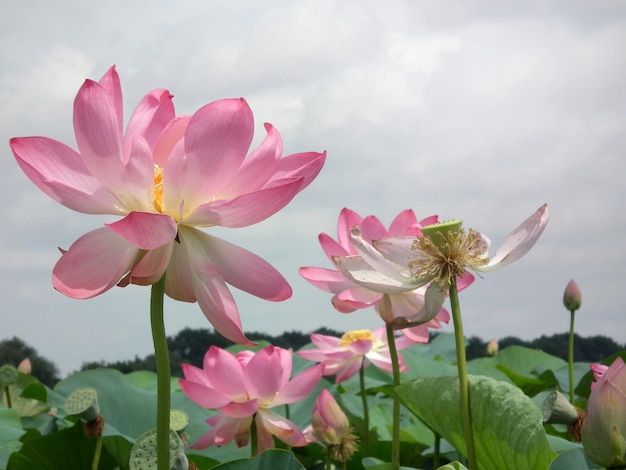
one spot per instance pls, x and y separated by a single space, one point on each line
480 110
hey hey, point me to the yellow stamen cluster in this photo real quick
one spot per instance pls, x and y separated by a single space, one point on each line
157 193
355 335
447 255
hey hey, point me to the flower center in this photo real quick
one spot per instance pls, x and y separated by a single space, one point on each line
446 251
157 192
356 335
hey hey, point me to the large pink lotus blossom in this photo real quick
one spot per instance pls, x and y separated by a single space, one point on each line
444 252
350 295
165 176
343 357
244 387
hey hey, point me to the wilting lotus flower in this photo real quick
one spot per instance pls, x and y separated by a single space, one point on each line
331 427
443 252
389 302
598 371
344 356
165 176
604 425
572 297
244 387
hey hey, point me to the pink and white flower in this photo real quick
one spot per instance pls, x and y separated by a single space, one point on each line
244 387
165 176
350 295
343 357
443 252
331 427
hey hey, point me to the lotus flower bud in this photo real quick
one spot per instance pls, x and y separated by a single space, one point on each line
25 367
331 427
572 297
493 347
604 425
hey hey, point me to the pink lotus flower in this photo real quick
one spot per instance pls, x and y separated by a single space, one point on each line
344 356
443 252
331 427
165 176
350 295
244 387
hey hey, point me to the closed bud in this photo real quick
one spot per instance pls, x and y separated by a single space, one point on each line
331 427
572 297
604 425
492 347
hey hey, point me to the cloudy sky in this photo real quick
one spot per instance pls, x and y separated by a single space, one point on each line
480 110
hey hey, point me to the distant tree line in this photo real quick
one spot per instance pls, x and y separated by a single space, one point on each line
189 346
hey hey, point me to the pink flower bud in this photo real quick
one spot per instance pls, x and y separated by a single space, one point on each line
492 347
25 367
331 427
604 425
572 297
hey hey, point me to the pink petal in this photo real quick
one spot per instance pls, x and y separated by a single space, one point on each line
216 141
178 282
404 224
348 369
145 230
239 267
347 219
359 297
266 373
361 347
195 374
281 427
98 131
326 279
300 386
217 304
171 137
110 81
397 250
371 228
202 395
151 116
520 241
225 430
247 209
325 342
300 165
258 167
241 410
93 264
225 373
59 171
152 266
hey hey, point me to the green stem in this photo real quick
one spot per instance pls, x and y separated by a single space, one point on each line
254 438
437 457
570 356
366 413
8 395
329 460
163 374
461 361
96 456
395 367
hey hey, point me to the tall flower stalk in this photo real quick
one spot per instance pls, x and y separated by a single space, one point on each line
162 358
395 429
464 392
572 299
366 412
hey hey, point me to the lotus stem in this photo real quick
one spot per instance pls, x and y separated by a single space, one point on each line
161 355
570 357
366 413
461 361
395 367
